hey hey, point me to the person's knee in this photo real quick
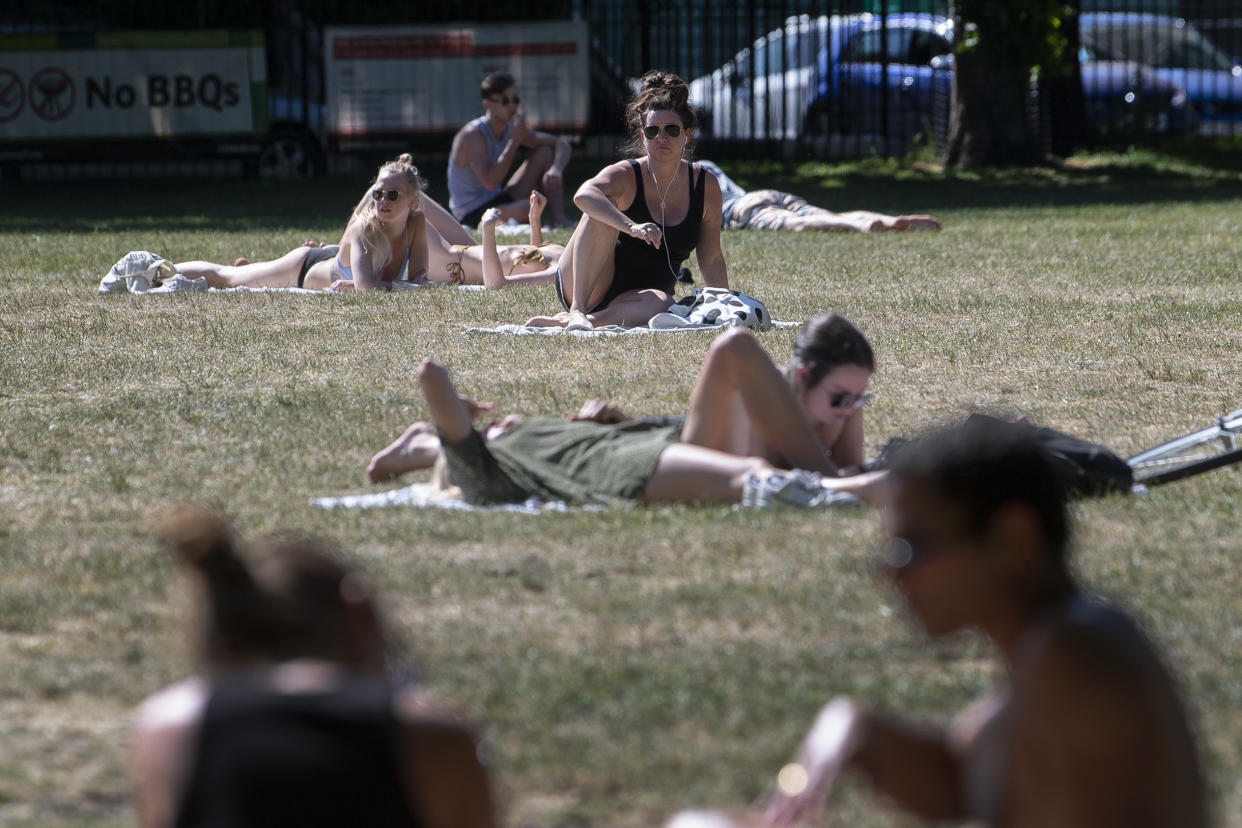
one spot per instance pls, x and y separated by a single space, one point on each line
431 372
736 345
542 158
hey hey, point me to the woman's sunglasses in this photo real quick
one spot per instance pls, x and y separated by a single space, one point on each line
379 194
505 100
844 399
671 130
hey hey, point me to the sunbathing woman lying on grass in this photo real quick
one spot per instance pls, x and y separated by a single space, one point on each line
776 210
754 434
454 257
384 243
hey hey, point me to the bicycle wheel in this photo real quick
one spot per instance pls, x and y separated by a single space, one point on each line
1194 453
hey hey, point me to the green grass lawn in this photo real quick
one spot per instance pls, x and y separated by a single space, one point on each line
629 663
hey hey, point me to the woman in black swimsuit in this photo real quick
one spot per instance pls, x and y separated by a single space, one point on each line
641 219
295 717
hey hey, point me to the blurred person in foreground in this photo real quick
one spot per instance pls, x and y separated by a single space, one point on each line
295 719
1089 729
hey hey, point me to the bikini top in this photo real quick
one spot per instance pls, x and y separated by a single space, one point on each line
347 273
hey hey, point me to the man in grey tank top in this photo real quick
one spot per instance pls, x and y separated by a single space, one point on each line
484 152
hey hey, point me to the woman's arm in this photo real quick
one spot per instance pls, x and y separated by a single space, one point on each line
849 451
707 252
493 273
604 196
442 767
416 267
537 202
359 262
914 766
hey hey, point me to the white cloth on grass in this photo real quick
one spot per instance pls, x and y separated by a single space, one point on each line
424 495
611 330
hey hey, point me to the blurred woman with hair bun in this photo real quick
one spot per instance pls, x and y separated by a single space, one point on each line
295 718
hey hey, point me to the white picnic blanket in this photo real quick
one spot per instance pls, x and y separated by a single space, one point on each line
423 495
609 330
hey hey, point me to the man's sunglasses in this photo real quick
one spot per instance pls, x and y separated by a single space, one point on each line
379 194
671 130
505 100
844 399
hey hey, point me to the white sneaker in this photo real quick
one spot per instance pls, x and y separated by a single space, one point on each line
792 488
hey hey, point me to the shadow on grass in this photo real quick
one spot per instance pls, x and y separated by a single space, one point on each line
1208 171
1194 172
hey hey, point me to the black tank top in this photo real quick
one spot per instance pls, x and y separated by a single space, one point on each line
640 266
267 758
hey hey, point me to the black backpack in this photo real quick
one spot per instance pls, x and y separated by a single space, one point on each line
1086 469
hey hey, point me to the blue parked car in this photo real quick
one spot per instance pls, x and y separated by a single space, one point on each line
1176 53
848 74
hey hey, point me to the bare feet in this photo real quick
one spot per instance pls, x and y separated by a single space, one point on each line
417 448
564 319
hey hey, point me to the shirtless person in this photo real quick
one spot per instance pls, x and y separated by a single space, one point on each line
1089 731
484 151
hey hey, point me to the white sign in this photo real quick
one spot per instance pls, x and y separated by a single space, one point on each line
403 80
155 89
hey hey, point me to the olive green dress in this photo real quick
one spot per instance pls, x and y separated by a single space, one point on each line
555 459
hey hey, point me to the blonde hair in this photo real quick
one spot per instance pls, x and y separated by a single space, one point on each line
370 231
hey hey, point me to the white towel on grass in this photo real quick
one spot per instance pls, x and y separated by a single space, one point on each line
423 495
607 330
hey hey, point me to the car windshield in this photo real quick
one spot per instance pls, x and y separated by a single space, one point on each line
1163 45
906 46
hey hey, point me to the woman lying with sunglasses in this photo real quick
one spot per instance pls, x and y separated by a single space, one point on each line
755 434
641 219
384 243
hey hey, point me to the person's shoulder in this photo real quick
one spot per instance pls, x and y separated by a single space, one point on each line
471 133
418 710
1091 648
178 705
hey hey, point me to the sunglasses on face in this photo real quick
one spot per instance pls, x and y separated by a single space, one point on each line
844 399
671 130
379 194
505 100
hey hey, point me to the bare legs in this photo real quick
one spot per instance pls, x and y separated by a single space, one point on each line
738 380
694 474
445 223
587 272
416 448
282 272
530 176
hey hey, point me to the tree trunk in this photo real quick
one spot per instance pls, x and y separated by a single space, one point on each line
989 105
1067 110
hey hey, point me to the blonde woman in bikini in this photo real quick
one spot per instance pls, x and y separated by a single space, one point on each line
384 243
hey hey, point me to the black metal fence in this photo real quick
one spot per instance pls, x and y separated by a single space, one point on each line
825 78
860 76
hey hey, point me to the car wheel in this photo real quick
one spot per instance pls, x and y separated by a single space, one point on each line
289 153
